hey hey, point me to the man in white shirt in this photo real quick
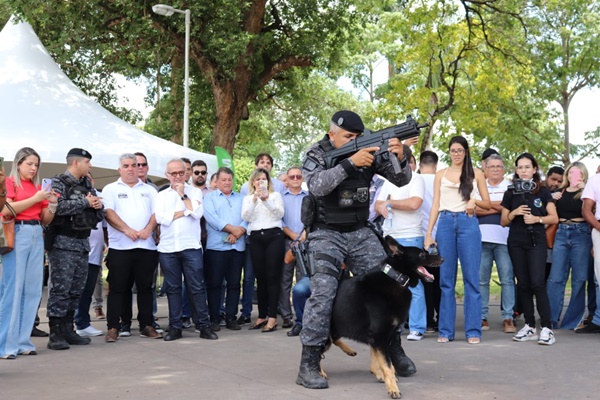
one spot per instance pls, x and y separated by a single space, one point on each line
132 255
178 210
493 246
406 228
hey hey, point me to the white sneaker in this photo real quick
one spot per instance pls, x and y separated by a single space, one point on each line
414 335
546 337
526 333
89 331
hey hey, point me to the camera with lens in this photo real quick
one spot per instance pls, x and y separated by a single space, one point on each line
522 186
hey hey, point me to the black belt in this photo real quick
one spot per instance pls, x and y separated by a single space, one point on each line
263 231
28 221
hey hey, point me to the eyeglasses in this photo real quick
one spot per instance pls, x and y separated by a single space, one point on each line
142 164
176 173
495 166
457 151
200 173
295 177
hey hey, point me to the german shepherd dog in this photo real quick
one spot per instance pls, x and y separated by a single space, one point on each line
370 308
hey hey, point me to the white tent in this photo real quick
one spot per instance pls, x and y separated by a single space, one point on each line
41 108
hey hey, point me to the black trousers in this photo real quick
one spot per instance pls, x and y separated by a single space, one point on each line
529 264
267 248
126 267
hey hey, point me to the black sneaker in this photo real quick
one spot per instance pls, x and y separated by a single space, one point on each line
214 326
208 333
186 323
589 328
35 332
243 320
233 325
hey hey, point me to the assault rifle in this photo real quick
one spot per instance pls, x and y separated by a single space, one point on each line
403 131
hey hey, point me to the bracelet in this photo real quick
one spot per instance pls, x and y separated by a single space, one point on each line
3 194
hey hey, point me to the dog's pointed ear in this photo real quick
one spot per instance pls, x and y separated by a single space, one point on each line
393 246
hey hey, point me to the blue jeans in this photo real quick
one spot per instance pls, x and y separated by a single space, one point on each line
248 284
572 247
190 264
21 289
82 314
223 264
491 252
417 315
459 238
300 293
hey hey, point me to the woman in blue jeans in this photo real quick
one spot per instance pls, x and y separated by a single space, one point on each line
22 268
572 246
458 238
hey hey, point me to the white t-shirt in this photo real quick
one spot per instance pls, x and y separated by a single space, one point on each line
592 192
427 202
182 233
134 205
491 230
405 224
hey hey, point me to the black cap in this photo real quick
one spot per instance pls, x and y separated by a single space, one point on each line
488 152
349 121
76 152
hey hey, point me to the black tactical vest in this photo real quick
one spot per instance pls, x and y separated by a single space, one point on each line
347 206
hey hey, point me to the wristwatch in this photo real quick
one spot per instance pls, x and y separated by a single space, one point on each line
541 220
185 196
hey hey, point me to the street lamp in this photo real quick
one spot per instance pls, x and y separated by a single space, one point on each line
167 11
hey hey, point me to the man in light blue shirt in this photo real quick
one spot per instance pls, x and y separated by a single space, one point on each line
293 228
225 245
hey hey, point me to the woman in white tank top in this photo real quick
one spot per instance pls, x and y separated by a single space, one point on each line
458 238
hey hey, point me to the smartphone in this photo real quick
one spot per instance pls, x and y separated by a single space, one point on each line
46 184
263 185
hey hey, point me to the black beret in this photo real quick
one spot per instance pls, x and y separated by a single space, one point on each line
349 121
488 152
76 152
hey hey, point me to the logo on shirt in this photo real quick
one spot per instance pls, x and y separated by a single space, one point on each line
122 195
538 203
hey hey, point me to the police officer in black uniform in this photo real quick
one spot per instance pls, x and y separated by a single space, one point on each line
340 233
78 212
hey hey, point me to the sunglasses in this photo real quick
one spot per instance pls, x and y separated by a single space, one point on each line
295 177
142 164
200 173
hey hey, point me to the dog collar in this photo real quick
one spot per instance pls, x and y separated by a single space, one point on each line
395 275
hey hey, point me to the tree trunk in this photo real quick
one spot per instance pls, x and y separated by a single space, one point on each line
231 108
567 150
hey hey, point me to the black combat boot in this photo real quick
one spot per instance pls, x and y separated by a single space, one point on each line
57 340
309 374
402 364
69 332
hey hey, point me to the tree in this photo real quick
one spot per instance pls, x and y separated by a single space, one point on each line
236 47
566 55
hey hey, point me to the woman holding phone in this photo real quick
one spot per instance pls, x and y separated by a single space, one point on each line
572 247
22 272
263 209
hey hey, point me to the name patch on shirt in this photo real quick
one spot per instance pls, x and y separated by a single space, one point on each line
123 195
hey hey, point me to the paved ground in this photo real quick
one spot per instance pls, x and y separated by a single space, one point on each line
254 365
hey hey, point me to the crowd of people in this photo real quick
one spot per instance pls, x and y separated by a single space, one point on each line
217 248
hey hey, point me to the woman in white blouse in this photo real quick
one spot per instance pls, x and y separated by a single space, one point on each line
263 209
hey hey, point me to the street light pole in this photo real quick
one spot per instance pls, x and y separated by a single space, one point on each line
163 9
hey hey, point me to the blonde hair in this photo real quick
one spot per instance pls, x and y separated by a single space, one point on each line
21 155
254 175
584 176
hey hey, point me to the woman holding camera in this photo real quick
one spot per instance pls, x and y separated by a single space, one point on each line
22 268
572 250
527 207
458 238
263 209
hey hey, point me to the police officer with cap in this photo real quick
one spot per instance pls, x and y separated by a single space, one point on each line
339 233
78 212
